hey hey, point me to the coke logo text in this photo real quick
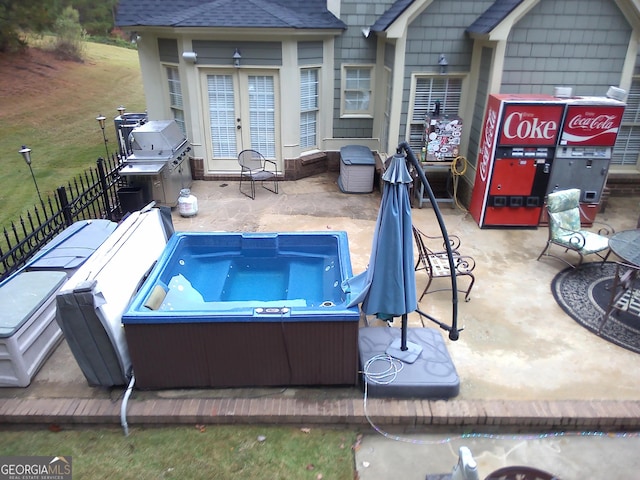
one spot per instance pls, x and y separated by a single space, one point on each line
487 143
517 126
600 122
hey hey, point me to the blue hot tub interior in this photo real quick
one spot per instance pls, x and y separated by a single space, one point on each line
218 274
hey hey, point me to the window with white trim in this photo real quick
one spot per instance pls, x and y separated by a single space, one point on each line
627 147
357 88
175 97
309 106
428 91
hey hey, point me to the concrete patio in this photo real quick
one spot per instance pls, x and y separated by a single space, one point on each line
523 363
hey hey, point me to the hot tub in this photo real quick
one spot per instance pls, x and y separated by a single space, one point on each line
245 309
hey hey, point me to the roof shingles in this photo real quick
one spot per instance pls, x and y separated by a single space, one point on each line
492 17
311 14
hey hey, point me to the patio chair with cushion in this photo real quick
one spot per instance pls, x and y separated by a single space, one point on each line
433 258
255 168
565 229
625 292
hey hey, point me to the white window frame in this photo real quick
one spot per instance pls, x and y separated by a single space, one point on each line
627 148
309 109
367 93
425 90
176 100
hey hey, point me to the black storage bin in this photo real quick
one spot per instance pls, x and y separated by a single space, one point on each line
131 199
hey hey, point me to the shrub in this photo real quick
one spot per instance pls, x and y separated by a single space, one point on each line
69 43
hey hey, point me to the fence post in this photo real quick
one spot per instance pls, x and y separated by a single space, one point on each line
64 204
103 184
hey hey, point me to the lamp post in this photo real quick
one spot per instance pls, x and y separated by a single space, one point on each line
26 154
101 119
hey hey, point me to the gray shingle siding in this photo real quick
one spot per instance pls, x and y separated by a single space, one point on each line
168 50
353 48
492 17
310 53
440 29
253 53
581 44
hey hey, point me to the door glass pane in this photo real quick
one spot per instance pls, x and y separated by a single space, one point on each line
262 114
222 115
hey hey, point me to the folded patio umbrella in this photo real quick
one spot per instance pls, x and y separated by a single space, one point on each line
387 288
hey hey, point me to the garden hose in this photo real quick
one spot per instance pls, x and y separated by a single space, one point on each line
458 169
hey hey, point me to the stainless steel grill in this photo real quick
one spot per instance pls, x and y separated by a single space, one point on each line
158 163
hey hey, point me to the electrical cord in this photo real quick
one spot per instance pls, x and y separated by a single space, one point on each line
458 169
389 375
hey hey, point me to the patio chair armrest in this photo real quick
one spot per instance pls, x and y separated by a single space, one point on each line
574 238
604 228
464 264
275 165
454 241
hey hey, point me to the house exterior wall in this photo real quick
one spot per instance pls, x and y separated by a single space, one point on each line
352 48
585 44
482 91
439 29
580 44
255 53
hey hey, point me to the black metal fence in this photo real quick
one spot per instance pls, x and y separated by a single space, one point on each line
94 194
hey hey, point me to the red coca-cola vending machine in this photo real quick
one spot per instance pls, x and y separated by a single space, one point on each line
516 152
584 151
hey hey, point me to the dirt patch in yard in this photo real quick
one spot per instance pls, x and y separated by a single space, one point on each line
31 72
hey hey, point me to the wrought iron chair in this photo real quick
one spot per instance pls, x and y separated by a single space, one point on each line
255 168
436 262
625 292
565 229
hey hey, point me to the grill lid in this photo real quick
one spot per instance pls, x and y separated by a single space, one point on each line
156 140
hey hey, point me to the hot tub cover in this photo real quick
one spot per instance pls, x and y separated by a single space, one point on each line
71 248
90 304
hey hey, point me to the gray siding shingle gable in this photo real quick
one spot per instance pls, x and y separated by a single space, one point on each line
311 14
390 16
492 17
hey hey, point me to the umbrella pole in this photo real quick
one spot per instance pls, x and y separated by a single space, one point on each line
454 333
403 340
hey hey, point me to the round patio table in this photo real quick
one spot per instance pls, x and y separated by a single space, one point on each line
626 245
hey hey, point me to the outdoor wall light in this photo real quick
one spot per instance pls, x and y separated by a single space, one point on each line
366 32
26 154
190 57
442 61
101 119
236 58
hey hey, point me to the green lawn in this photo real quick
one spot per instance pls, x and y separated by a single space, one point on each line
212 452
51 106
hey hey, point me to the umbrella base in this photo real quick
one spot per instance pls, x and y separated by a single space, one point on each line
432 375
410 355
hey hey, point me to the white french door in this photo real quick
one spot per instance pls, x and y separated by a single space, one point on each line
242 113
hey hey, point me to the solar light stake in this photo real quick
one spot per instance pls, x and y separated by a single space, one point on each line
101 118
26 154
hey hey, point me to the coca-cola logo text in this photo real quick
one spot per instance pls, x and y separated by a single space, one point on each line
520 126
600 122
487 143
